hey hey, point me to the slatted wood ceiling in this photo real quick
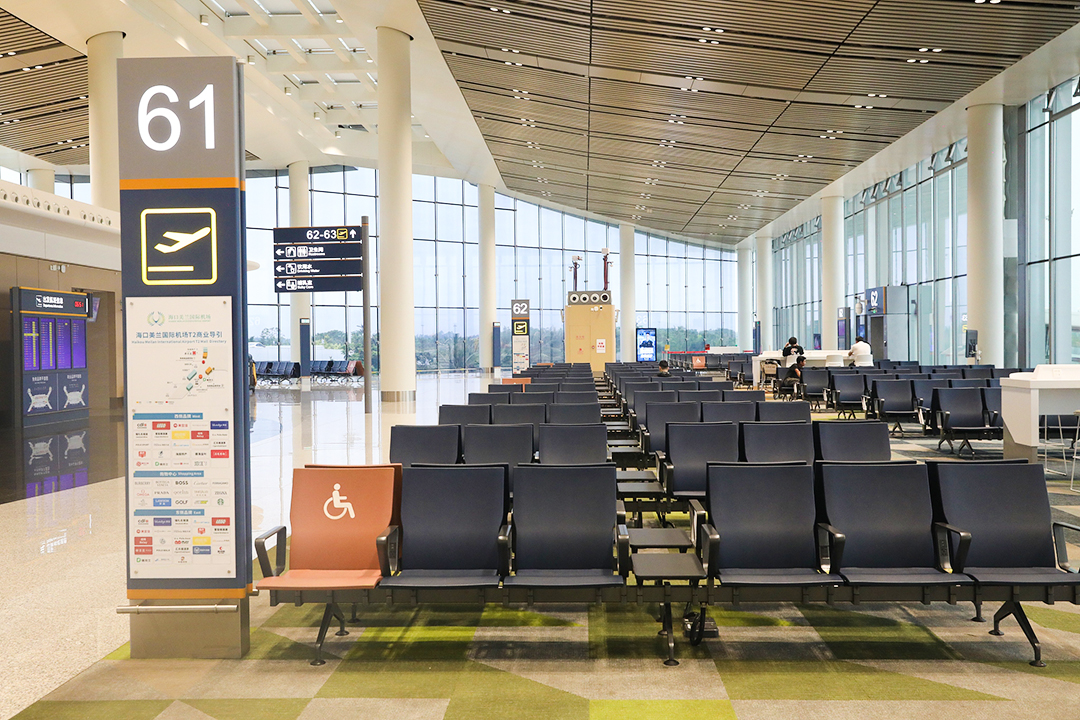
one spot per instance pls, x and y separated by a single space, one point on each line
634 110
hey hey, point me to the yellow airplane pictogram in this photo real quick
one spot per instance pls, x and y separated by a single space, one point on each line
181 240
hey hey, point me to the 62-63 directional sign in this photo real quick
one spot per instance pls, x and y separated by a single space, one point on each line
318 259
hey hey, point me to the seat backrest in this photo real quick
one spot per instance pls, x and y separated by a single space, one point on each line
692 446
1003 372
630 389
964 405
564 517
885 512
532 398
450 517
536 415
464 414
968 383
425 444
678 384
948 375
764 442
923 390
365 507
506 444
542 387
849 388
588 387
1005 507
765 515
895 395
815 381
977 373
573 444
643 397
662 413
505 387
489 398
573 413
797 411
992 404
735 412
583 396
715 384
852 440
709 395
744 396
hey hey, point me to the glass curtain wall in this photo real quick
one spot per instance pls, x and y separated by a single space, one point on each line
690 296
912 230
1052 270
797 285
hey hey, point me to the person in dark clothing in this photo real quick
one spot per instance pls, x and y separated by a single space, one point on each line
663 369
793 347
793 376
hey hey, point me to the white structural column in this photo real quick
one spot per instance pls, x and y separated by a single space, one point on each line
102 52
299 216
627 293
42 179
763 289
487 275
985 240
832 268
746 296
397 341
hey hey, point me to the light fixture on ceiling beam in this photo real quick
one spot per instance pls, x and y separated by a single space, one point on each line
339 19
204 20
288 90
317 115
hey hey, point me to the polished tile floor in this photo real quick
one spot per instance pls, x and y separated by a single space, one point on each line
63 522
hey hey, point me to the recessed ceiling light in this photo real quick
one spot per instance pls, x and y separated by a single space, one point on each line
923 62
924 49
338 19
707 29
910 60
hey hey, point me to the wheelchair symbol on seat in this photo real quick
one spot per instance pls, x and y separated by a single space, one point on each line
340 502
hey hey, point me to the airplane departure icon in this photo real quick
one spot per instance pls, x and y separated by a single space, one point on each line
181 240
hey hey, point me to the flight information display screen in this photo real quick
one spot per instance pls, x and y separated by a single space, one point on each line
47 343
63 344
30 344
78 343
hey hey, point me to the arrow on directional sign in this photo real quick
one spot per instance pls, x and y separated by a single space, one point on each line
281 284
279 252
352 233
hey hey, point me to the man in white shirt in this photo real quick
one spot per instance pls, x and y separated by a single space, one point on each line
860 348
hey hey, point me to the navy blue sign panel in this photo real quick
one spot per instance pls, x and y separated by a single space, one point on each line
317 268
300 235
53 302
875 301
318 284
319 251
318 259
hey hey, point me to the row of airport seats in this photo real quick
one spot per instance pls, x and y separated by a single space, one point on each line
336 371
796 533
276 372
713 362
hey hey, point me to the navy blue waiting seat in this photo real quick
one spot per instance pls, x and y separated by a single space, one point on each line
639 415
846 393
654 434
536 415
464 414
511 445
573 413
794 411
893 401
690 448
744 396
565 528
542 387
735 412
851 441
489 398
700 396
532 398
505 388
440 444
573 444
962 417
770 442
584 396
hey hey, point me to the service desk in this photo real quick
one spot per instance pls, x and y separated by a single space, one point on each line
814 359
1049 390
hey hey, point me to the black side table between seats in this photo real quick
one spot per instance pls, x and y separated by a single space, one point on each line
662 568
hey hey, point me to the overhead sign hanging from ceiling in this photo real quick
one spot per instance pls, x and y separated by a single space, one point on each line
183 259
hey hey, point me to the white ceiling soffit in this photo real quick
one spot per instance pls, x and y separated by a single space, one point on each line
329 115
712 120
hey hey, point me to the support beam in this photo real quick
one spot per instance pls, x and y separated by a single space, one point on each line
352 92
299 216
488 272
397 340
102 52
746 296
985 207
627 293
832 268
281 27
307 11
255 12
315 62
763 289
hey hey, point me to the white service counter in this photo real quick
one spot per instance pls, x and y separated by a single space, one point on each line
814 359
1049 390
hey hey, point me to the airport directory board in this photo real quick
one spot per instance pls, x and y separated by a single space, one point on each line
183 261
51 378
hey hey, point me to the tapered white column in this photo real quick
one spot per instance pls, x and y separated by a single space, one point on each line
985 241
763 289
397 341
41 179
832 268
102 52
299 216
487 275
627 294
746 296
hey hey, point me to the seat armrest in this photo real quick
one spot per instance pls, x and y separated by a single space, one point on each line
631 417
1059 544
646 441
708 547
506 541
264 559
830 544
388 545
622 548
620 512
661 457
698 517
666 470
947 560
943 419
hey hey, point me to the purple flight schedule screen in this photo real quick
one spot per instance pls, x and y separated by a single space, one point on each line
30 345
47 343
78 344
63 344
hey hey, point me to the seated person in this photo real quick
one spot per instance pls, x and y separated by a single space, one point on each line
663 369
793 376
793 347
861 347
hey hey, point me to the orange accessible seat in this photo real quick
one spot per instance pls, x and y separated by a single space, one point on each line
339 517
